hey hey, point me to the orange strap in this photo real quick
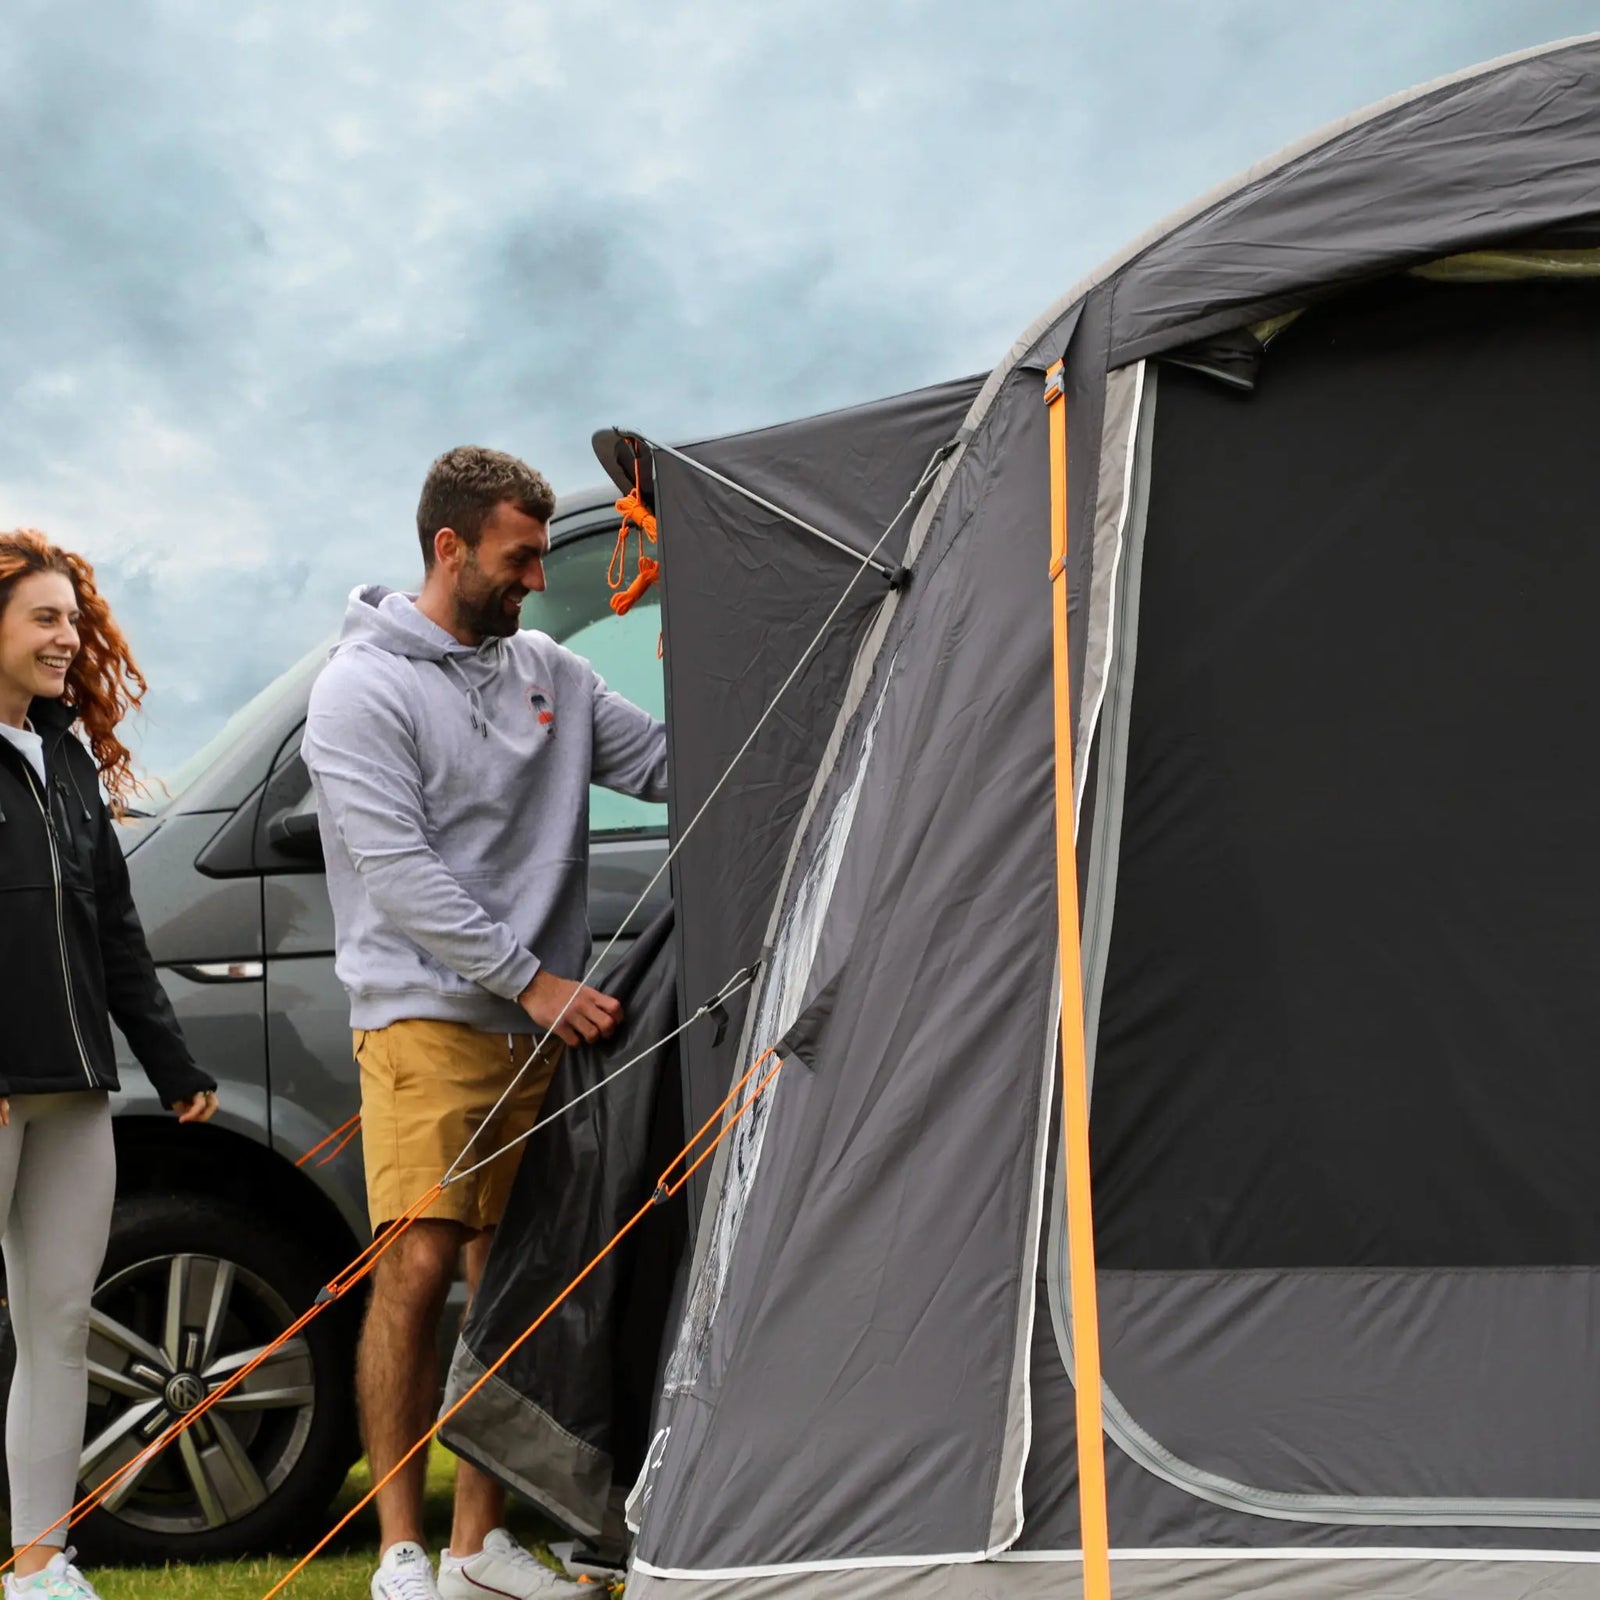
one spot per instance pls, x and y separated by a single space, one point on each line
1074 1061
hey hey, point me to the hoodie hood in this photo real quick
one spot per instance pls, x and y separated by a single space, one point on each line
388 620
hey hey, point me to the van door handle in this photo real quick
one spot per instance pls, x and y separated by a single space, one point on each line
221 971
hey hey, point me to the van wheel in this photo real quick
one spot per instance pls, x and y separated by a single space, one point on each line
189 1292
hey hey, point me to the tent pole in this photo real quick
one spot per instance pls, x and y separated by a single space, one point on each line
1074 1063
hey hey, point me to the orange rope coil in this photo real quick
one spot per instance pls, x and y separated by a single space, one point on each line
637 517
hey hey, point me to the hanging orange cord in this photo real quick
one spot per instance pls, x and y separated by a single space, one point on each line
637 516
343 1134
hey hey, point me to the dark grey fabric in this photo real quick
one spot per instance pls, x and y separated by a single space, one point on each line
571 1411
744 592
876 1281
1355 893
1148 1511
1455 1385
516 1441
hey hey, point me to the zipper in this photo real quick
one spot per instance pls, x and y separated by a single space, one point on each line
42 800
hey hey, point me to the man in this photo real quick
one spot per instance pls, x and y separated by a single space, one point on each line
452 756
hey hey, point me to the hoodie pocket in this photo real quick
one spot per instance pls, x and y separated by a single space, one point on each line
544 903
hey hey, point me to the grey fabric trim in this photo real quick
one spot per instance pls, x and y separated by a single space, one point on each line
1151 1576
1006 1527
1119 453
500 1425
1105 840
1123 390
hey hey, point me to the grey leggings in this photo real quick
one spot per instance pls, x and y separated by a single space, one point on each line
58 1176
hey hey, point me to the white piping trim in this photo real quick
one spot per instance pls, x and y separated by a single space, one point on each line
1365 1553
1080 775
785 1569
1440 1553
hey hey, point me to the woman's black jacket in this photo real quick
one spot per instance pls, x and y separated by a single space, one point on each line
72 952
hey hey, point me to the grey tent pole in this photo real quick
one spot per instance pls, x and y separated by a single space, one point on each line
895 575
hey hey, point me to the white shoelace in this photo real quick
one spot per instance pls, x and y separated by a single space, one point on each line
510 1550
410 1580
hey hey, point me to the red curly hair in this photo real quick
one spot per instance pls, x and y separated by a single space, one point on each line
103 682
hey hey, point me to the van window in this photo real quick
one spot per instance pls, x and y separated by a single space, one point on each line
575 610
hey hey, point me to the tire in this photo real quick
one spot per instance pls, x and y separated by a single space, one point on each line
246 1479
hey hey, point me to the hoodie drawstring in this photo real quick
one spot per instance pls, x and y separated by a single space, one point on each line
480 723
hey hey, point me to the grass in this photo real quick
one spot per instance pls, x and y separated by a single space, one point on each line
342 1573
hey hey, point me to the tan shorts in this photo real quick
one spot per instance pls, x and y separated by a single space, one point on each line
426 1088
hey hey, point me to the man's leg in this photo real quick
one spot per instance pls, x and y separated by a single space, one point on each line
480 1501
397 1371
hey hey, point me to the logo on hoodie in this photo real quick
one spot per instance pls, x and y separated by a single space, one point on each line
544 709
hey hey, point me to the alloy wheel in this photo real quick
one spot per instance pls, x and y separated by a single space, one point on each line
163 1334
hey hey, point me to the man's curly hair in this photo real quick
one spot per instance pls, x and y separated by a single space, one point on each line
464 486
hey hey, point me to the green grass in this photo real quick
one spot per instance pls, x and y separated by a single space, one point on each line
342 1573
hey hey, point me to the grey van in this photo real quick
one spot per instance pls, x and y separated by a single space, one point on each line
223 1234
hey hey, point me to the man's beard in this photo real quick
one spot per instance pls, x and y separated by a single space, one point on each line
482 610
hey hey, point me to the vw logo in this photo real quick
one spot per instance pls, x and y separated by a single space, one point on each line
184 1392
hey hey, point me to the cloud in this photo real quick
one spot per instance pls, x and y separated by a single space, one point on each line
263 262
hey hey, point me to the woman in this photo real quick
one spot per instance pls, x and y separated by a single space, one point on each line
72 959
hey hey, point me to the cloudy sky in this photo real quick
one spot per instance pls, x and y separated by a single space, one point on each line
261 261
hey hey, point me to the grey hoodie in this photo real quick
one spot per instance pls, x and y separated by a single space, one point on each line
452 790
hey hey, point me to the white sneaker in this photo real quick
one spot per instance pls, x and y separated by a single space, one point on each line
501 1568
405 1573
59 1581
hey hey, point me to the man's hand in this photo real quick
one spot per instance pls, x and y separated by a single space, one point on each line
585 1014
